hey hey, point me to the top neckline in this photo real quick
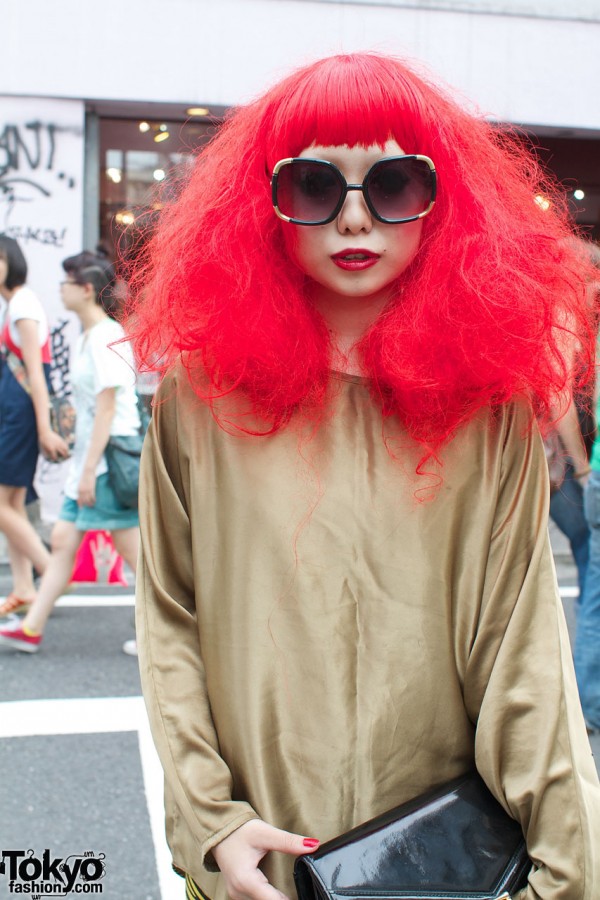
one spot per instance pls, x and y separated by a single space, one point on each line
346 376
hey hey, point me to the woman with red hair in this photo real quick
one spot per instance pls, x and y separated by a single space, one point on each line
346 592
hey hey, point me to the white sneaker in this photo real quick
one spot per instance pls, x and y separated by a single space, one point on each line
130 647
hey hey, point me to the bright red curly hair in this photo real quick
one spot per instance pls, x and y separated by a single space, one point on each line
483 315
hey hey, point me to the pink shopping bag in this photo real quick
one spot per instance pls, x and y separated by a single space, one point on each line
97 560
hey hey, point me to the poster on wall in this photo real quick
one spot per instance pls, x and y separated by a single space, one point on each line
41 206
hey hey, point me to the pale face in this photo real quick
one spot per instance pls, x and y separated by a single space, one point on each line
355 256
75 297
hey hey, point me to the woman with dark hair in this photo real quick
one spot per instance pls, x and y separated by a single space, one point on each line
105 400
346 592
24 421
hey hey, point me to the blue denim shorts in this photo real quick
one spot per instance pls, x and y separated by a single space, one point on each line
106 515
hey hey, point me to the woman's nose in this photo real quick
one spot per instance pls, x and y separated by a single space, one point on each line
354 215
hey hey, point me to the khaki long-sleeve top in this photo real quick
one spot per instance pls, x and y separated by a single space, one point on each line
319 641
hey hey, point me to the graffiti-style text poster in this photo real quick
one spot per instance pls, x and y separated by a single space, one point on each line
41 187
41 206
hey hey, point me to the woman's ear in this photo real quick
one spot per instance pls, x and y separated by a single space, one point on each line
90 291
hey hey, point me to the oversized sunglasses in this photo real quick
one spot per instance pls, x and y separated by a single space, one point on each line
312 191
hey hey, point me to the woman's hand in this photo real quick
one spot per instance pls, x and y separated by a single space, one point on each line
86 491
239 855
53 446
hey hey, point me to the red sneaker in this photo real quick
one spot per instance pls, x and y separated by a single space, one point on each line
14 636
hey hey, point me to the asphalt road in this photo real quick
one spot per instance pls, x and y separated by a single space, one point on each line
79 771
79 774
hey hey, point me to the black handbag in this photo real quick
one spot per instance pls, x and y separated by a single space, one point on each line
453 843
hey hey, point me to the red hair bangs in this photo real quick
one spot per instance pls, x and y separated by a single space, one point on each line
352 99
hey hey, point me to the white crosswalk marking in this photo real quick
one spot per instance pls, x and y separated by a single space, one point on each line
91 600
129 599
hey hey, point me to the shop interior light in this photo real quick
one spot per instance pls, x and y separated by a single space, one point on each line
579 194
198 111
161 136
124 217
158 174
144 126
114 174
542 202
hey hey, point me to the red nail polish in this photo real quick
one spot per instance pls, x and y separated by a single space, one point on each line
311 842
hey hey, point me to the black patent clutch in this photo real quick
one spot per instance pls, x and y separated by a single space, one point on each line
454 843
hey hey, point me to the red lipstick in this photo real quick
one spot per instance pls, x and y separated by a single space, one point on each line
355 259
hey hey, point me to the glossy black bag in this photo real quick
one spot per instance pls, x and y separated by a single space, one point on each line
453 843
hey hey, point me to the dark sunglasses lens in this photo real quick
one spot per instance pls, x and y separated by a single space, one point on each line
308 191
400 188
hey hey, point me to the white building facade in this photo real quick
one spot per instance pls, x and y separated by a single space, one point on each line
529 61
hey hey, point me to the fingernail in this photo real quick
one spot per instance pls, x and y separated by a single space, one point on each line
311 842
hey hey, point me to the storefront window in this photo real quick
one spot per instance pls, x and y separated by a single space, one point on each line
141 161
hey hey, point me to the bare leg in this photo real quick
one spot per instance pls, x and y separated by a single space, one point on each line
127 542
19 531
65 541
22 573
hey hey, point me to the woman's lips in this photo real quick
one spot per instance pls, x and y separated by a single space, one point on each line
355 260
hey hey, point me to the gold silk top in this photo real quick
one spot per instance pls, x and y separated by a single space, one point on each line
318 645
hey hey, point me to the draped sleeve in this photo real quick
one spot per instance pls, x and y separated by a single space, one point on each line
172 671
531 744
